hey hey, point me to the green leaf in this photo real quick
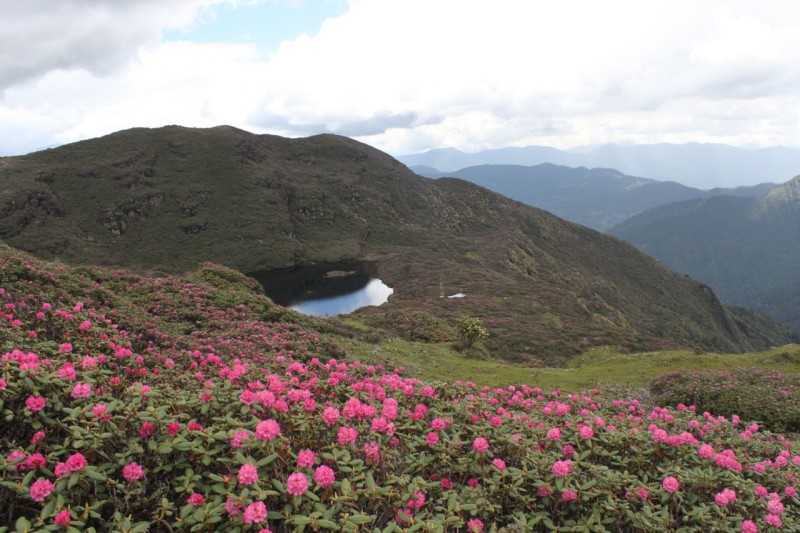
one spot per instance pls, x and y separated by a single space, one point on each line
22 525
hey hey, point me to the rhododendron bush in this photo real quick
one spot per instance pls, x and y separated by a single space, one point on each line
118 414
766 395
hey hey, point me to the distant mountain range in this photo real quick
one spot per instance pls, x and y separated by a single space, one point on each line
547 289
599 197
704 166
747 249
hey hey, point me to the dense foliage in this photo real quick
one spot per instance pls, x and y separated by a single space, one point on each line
168 404
771 397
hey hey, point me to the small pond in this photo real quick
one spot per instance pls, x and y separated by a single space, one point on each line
325 289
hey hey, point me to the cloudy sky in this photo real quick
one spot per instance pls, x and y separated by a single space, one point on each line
405 75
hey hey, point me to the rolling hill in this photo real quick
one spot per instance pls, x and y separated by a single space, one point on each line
745 248
169 198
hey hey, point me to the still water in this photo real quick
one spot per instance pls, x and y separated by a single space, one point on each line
325 290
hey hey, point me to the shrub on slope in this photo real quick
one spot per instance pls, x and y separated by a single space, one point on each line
769 396
167 404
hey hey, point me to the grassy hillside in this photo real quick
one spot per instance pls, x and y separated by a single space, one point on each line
173 197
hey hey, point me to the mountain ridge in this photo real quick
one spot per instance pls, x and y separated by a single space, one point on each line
700 165
170 198
596 197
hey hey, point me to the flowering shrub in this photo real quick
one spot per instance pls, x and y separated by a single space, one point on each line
770 397
246 426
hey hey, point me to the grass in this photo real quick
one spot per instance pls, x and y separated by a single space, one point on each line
598 367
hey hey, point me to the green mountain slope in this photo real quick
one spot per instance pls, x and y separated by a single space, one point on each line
745 248
172 197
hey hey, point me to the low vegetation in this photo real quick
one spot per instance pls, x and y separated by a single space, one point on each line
769 396
134 403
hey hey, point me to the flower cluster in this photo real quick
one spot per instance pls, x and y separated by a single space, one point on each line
118 420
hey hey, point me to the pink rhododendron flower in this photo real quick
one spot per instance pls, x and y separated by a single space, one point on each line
62 518
232 507
255 513
499 464
81 391
372 450
748 526
561 468
248 474
34 461
330 415
297 484
569 495
475 525
774 506
480 445
100 411
196 499
324 476
432 438
670 484
268 430
62 470
239 437
306 459
76 462
773 520
41 489
35 403
705 451
725 497
346 435
132 472
147 430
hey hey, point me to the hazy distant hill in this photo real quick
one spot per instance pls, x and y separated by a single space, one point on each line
599 198
747 249
169 198
704 166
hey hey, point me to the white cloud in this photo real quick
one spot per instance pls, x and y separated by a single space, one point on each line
412 74
38 36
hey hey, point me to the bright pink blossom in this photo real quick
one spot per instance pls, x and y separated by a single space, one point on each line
35 403
297 484
132 472
248 474
268 430
41 489
62 518
255 513
324 476
670 484
561 468
480 445
306 459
